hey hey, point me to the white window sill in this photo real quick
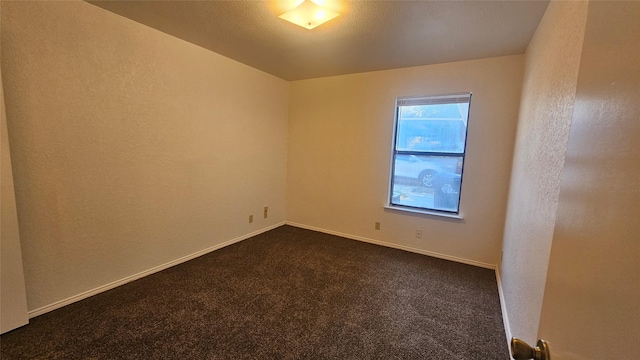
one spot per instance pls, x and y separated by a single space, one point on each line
425 212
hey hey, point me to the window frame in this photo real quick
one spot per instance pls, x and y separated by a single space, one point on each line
428 100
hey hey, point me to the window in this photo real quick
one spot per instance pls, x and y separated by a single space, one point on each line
428 153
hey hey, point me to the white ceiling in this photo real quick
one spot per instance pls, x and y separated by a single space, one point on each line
368 36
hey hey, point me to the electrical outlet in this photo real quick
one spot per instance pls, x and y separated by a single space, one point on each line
266 212
250 219
418 234
377 225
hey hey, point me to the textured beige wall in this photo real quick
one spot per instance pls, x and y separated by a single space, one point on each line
131 148
551 73
13 297
591 300
340 134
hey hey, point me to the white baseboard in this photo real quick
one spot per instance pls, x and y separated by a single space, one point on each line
111 285
503 307
396 246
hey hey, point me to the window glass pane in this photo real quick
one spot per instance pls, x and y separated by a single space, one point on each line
429 182
434 128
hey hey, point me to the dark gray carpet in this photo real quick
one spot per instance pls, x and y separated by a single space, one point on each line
286 294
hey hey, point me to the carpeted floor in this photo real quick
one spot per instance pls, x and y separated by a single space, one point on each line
285 294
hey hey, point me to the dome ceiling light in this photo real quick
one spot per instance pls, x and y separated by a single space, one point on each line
309 14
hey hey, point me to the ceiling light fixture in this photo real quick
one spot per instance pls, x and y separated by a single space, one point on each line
309 14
